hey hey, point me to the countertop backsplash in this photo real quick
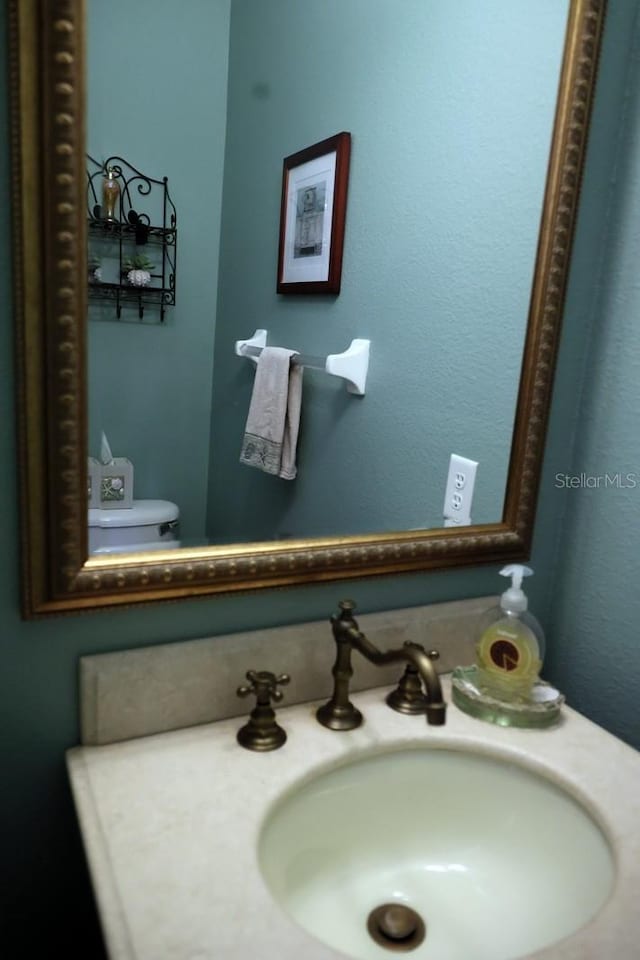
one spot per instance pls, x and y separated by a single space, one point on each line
136 693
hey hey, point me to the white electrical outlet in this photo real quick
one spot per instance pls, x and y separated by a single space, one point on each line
458 496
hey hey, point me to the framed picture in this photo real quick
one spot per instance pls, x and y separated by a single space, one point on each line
312 216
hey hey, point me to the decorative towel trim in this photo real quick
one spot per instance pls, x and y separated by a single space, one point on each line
261 453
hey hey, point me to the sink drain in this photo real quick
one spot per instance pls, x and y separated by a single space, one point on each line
396 927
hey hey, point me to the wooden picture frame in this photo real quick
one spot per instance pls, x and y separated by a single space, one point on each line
312 217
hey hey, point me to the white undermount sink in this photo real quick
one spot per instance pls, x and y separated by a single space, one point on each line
495 859
509 843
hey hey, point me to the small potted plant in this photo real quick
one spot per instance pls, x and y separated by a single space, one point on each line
94 268
138 270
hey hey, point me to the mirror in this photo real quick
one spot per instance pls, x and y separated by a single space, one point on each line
455 262
445 195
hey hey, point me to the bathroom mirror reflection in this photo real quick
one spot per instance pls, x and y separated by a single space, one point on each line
450 108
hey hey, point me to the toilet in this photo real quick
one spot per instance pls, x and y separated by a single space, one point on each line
147 525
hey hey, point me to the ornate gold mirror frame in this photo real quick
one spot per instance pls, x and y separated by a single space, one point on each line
47 112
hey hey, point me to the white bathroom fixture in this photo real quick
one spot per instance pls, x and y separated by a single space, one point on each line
352 365
147 525
495 872
173 827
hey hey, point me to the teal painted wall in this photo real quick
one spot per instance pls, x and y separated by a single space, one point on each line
595 655
157 97
450 109
46 904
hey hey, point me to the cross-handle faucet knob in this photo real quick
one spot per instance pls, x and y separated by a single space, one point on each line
347 606
265 685
262 732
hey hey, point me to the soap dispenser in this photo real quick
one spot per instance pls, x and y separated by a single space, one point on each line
510 644
504 685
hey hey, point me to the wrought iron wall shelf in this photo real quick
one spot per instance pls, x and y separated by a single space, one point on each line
120 235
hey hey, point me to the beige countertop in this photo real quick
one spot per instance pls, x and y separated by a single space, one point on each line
170 825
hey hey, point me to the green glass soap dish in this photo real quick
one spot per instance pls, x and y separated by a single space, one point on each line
541 708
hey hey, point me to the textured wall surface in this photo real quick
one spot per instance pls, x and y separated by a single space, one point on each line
157 97
595 654
46 901
449 150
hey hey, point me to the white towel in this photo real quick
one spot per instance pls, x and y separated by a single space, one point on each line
271 433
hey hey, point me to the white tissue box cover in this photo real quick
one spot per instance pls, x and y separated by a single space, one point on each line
116 485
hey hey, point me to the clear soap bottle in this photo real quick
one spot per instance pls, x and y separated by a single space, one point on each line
510 645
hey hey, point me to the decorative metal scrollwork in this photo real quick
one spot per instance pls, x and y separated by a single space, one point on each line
144 221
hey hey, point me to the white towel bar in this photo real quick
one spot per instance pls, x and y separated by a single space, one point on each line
351 365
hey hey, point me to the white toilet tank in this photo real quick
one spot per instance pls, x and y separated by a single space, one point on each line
147 525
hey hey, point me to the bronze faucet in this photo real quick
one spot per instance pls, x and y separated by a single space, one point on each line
339 713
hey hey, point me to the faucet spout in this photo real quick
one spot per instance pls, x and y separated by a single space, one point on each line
339 713
417 655
436 707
